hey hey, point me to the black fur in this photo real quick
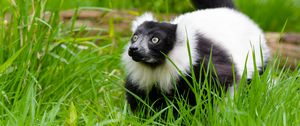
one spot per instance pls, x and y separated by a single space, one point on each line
166 34
205 4
223 79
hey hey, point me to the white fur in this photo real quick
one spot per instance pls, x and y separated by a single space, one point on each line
229 29
146 77
141 19
232 91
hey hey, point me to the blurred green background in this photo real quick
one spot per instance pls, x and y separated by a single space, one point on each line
271 15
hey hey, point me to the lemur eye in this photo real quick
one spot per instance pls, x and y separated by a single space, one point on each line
154 40
135 38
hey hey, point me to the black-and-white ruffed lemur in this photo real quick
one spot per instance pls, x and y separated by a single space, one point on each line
216 29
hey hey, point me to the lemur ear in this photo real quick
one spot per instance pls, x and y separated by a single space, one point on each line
141 19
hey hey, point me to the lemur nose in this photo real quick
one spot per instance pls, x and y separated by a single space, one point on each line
133 48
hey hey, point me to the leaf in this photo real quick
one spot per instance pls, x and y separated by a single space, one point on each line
72 115
8 62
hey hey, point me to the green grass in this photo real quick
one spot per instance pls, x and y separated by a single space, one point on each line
271 15
52 74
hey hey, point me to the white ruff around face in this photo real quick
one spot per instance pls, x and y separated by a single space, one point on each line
162 76
166 74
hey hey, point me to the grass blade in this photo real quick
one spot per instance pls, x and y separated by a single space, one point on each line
9 62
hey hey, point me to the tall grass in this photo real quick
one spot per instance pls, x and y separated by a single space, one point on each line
51 74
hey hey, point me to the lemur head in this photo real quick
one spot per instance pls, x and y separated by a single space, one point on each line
151 40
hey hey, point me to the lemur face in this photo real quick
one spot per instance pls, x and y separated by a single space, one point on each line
150 41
